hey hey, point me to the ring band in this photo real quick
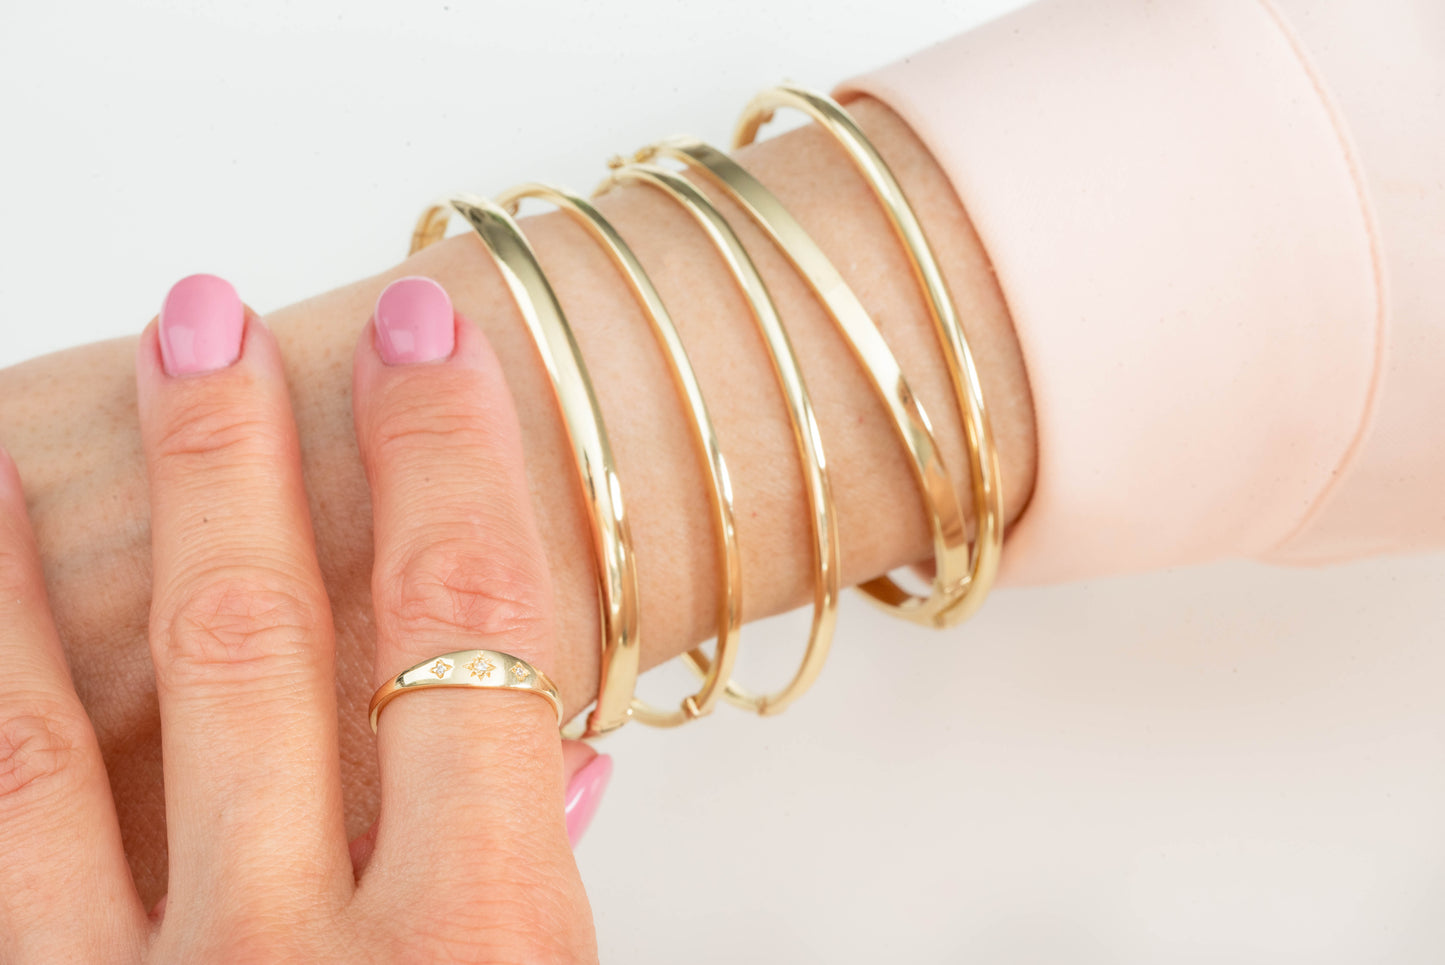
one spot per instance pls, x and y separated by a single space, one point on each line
481 669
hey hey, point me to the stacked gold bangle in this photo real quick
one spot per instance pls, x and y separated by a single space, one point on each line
964 569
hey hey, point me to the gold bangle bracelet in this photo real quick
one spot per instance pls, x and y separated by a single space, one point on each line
611 537
978 435
729 561
951 550
805 432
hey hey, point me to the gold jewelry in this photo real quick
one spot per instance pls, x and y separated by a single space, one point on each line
729 604
482 669
805 432
982 452
963 570
611 537
910 422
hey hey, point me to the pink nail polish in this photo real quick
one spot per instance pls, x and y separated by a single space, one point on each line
584 793
414 322
202 321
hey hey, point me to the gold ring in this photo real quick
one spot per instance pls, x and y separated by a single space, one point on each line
482 669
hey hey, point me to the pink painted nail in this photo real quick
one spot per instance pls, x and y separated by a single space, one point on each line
414 322
201 325
584 793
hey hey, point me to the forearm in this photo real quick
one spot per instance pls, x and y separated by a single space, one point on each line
69 421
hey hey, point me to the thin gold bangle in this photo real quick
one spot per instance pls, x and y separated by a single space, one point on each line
982 452
806 436
951 551
729 604
611 537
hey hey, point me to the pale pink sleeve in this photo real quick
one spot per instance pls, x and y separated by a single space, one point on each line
1219 226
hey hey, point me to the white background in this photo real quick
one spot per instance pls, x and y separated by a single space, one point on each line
1225 764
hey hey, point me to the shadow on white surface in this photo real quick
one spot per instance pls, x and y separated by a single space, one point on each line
1228 763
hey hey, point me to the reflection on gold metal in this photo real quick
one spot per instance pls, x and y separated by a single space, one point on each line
808 440
949 604
591 452
429 675
704 438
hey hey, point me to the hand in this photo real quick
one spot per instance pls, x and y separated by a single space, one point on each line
469 860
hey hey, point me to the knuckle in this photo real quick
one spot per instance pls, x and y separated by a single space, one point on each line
508 927
248 945
39 750
439 404
213 427
251 621
408 426
456 585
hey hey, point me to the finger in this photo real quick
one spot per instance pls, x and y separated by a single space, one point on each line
459 565
60 846
241 632
585 773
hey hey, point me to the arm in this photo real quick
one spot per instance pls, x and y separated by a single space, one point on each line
1219 225
1221 279
69 421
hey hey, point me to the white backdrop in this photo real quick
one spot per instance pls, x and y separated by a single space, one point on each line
1228 763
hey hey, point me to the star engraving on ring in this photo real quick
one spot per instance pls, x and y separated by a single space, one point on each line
441 668
520 672
481 667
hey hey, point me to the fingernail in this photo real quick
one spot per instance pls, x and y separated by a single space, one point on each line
584 794
201 324
414 322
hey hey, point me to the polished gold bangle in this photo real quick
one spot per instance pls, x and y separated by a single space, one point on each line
978 435
582 418
946 521
729 603
480 669
805 432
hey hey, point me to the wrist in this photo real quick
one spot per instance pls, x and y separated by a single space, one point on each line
69 421
663 485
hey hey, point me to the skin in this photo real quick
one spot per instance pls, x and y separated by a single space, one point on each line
70 422
469 860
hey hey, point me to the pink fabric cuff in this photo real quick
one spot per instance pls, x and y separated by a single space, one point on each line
1179 227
